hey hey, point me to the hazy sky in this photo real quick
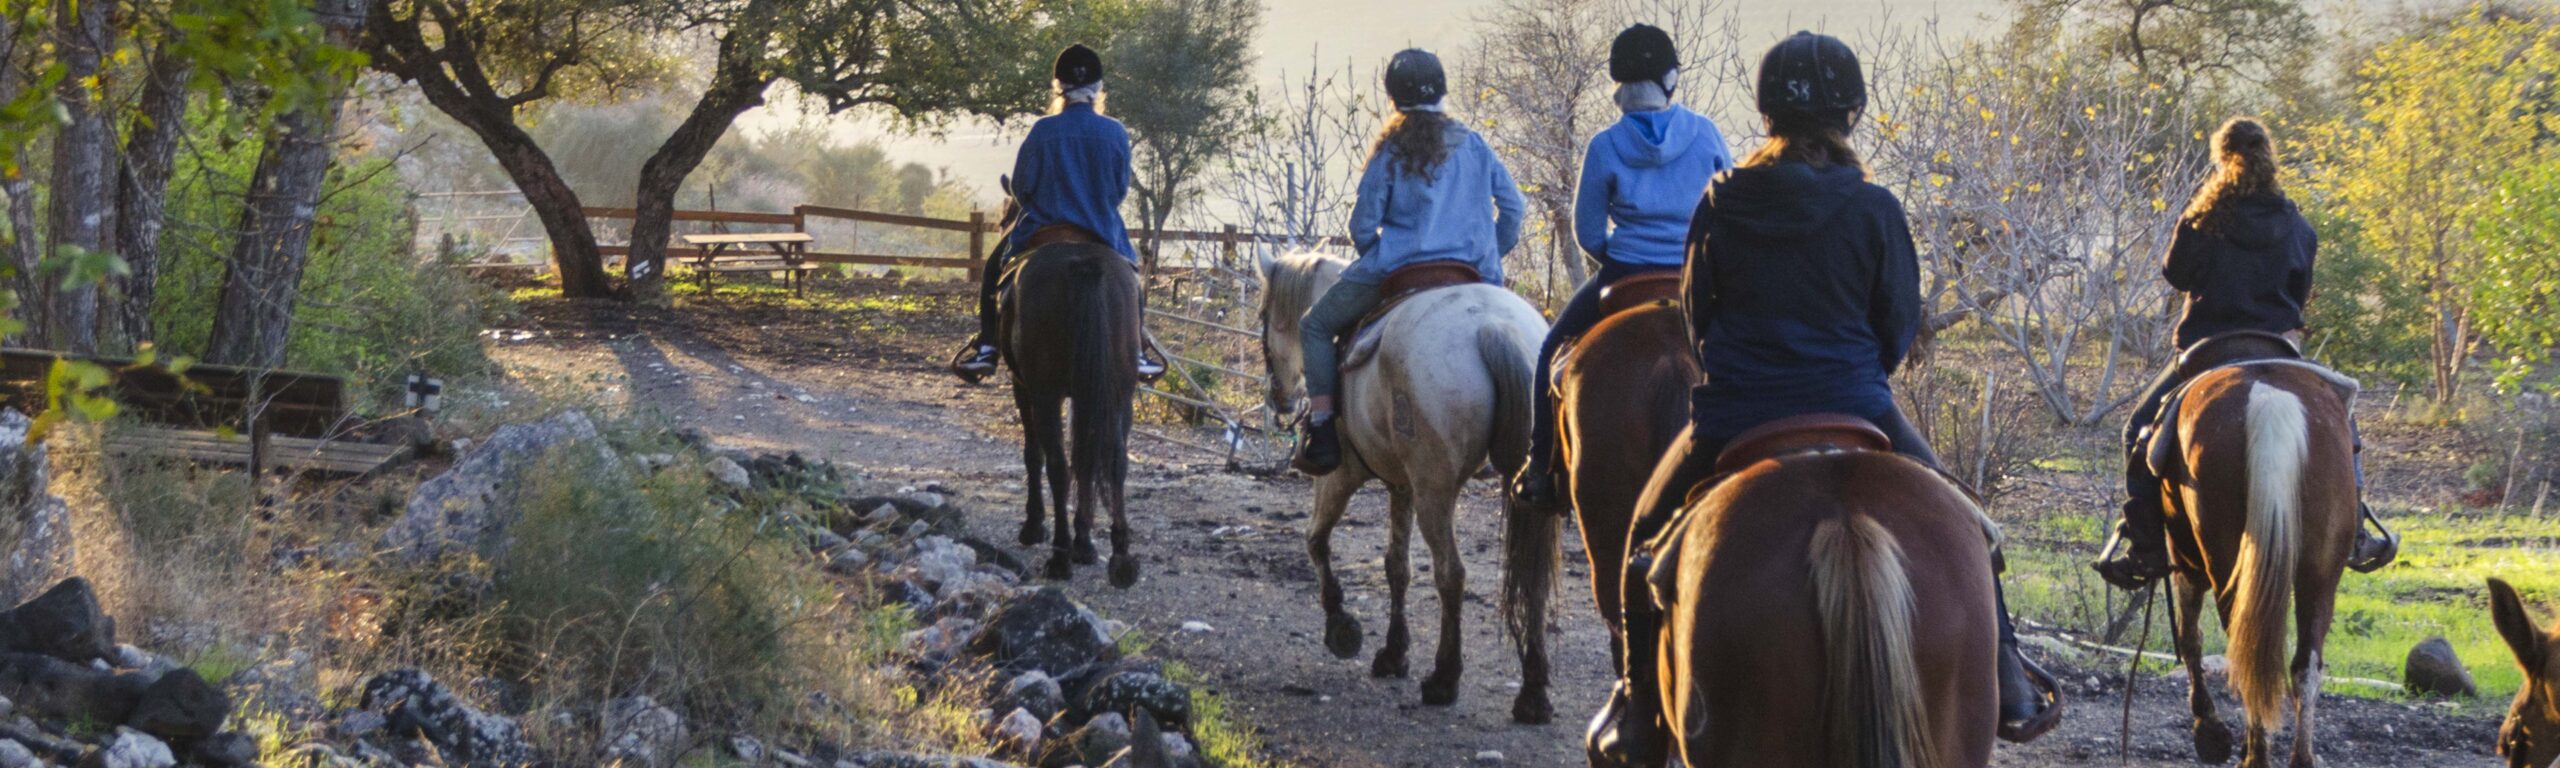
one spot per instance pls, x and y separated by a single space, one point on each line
1366 32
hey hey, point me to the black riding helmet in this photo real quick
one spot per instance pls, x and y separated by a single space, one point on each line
1642 54
1810 75
1078 67
1414 78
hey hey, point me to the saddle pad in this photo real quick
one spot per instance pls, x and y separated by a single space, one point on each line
2161 448
1639 290
1796 434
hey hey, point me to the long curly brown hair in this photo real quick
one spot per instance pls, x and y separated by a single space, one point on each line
1821 141
2244 159
1418 138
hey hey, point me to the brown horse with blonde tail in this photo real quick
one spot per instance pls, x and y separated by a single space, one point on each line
1794 593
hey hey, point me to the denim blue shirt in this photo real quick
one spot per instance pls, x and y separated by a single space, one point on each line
1641 179
1467 209
1074 169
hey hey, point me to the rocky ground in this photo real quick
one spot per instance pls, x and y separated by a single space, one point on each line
1227 590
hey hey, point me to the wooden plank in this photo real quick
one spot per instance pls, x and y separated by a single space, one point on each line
753 238
206 397
294 453
875 217
891 261
1200 322
745 270
732 217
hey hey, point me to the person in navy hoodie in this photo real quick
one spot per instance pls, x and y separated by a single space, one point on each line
1641 178
1433 191
1073 170
1803 292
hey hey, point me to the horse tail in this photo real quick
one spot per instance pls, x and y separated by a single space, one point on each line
1872 698
1531 552
1103 373
2279 450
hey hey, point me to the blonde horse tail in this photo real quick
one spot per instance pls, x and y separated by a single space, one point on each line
2279 437
1871 699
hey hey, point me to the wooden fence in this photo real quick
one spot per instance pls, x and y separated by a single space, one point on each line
978 226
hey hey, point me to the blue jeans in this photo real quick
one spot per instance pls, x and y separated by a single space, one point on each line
1320 331
1575 319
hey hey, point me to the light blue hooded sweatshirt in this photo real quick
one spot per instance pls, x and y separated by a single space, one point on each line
1467 210
1641 179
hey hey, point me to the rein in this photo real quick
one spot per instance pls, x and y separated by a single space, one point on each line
2133 673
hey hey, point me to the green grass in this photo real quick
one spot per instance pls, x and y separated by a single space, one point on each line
2436 589
1221 738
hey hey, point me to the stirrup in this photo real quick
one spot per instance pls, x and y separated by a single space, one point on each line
2373 551
1539 489
975 362
1148 369
2046 717
1610 741
2127 567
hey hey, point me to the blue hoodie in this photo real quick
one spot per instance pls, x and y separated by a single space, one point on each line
1466 210
1644 175
1074 169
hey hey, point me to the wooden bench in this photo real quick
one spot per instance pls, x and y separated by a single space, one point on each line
216 414
789 256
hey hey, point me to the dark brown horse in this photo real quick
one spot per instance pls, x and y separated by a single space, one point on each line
1070 333
2531 736
1622 392
2262 512
1828 609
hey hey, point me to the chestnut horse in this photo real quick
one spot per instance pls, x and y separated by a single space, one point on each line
1070 333
2262 513
2531 736
1795 594
1622 395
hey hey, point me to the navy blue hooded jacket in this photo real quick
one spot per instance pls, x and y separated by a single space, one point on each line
1803 293
2246 268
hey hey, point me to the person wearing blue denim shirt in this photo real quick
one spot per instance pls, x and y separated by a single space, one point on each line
1433 191
1641 179
1072 171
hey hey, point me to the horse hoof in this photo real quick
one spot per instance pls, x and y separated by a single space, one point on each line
1124 571
1389 665
1085 553
1032 534
1440 690
1342 635
1532 708
1058 569
2213 742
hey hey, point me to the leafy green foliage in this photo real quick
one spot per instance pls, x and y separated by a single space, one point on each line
2518 293
2361 317
1182 72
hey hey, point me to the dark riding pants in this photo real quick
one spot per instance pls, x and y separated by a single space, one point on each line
1575 319
991 287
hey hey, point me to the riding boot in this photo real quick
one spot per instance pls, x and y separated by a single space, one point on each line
1630 731
2380 545
2030 700
1541 482
2139 552
1321 454
976 360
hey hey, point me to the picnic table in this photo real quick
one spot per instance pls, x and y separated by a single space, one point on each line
216 414
788 254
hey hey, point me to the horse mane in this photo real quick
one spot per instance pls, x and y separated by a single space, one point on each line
1871 696
1292 280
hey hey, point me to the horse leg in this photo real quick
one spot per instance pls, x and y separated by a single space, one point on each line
1333 497
1053 445
1391 660
1449 573
2212 738
2313 603
1088 494
1032 529
1124 566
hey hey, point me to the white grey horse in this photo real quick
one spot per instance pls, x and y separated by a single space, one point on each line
1439 386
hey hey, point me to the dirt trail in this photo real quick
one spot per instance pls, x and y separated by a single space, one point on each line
1227 550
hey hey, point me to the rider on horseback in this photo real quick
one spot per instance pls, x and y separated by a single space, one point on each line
1643 176
1417 204
1803 296
2243 256
1072 173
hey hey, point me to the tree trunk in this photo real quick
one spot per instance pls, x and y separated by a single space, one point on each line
255 316
142 188
79 188
22 248
736 88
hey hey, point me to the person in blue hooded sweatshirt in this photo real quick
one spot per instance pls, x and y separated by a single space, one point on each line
1641 179
1072 171
1433 191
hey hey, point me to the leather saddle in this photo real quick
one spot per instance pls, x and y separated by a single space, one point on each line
2160 445
1639 290
1809 433
1056 234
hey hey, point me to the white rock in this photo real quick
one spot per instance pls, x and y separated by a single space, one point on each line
1176 747
929 499
640 732
16 755
1489 757
848 561
653 460
1197 627
804 398
747 748
134 749
728 473
1018 732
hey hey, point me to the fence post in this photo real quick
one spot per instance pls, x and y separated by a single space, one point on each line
977 245
1227 246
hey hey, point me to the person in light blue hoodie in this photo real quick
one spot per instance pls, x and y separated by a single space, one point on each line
1641 178
1433 191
